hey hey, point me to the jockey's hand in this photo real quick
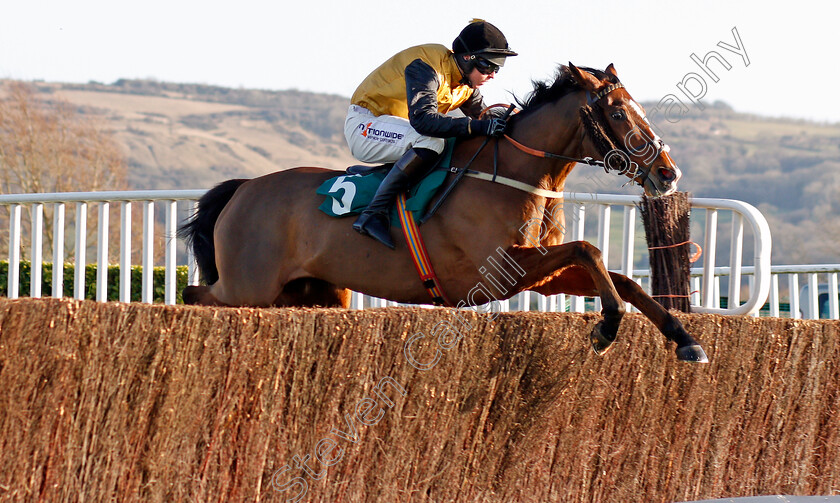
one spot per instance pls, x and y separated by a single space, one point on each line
490 127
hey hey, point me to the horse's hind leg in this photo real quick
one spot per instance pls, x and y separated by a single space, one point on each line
313 292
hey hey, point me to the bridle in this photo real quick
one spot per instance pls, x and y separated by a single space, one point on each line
605 141
600 136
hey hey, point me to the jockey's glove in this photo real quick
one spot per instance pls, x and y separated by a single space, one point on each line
489 127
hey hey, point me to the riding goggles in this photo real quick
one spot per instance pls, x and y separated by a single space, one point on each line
485 67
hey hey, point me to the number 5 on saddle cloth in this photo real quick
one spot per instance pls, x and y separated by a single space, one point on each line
349 194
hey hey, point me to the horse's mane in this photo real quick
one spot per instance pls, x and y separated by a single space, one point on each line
549 92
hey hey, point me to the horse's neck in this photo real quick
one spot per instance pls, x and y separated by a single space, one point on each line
556 129
553 128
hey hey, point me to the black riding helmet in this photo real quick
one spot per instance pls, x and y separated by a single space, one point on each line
481 40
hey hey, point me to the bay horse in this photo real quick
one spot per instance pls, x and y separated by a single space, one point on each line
263 241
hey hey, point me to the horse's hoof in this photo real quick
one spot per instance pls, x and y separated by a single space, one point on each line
600 342
693 353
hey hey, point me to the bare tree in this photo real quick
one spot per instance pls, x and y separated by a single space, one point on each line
46 146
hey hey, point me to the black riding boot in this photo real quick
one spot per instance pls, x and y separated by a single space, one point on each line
375 220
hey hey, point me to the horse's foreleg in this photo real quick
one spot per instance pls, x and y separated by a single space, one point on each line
575 281
688 349
540 268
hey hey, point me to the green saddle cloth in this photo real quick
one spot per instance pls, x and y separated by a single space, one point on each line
350 194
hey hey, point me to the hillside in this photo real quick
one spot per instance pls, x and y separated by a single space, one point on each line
192 136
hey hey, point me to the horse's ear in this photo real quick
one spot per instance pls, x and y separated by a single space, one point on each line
611 70
585 79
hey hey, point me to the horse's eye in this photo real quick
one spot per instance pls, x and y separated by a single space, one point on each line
618 115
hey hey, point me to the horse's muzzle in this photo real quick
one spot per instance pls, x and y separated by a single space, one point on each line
662 180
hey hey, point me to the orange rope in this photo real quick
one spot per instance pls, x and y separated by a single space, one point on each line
692 259
667 246
677 296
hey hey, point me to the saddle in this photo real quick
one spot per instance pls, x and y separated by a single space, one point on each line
363 170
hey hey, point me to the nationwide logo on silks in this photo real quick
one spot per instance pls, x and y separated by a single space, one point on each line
395 133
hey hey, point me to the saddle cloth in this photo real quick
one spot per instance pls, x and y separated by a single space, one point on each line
349 194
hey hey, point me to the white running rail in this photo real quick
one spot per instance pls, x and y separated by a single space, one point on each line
577 206
813 291
168 198
741 212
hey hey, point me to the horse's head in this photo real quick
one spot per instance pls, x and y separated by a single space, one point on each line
619 132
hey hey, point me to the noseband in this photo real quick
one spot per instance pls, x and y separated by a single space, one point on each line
615 157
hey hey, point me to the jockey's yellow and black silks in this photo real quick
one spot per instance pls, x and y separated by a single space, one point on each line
383 92
434 82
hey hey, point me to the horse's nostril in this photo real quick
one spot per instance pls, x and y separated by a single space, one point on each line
667 175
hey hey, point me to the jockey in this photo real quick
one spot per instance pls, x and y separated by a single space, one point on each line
398 113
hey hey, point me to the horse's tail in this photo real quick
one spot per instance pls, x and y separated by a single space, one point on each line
198 231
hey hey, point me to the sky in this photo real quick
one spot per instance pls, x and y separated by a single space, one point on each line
783 62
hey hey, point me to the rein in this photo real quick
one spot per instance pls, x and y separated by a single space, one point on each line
548 155
595 130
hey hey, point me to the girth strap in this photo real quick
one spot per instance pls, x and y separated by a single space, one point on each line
516 184
419 256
